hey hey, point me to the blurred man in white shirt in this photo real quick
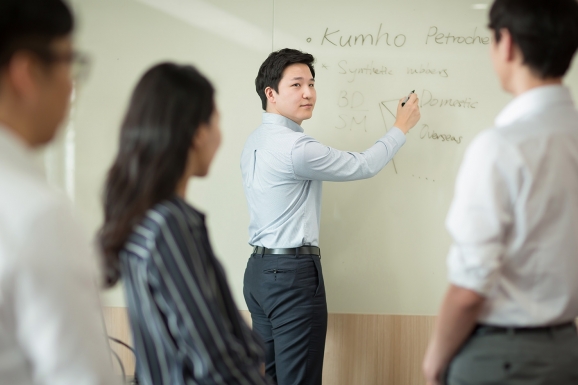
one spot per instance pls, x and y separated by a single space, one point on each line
508 316
51 329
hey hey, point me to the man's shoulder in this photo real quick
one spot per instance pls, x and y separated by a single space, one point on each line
487 140
272 136
544 122
492 146
28 199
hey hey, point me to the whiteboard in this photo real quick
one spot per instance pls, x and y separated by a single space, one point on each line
383 240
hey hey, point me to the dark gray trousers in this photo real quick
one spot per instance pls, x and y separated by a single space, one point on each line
286 297
544 358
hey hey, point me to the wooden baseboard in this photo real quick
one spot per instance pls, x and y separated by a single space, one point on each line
361 349
375 349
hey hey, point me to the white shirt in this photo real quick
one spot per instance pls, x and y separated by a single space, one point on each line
283 170
51 326
514 217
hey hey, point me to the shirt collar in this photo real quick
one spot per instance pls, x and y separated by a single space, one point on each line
269 118
532 102
196 215
14 150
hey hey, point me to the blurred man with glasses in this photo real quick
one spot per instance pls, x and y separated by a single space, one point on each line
51 329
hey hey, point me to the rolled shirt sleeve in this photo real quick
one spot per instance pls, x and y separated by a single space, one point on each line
481 213
315 161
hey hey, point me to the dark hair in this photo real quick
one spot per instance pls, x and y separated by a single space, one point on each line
271 70
167 106
32 25
545 31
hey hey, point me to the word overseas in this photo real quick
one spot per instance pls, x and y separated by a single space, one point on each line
448 38
431 134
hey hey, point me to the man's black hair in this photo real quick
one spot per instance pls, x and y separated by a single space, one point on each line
32 25
546 31
271 70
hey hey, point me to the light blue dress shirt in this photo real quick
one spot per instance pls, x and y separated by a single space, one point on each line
283 170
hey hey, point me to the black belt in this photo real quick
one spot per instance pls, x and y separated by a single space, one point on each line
303 250
481 329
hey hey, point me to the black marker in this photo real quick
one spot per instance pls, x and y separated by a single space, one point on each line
406 99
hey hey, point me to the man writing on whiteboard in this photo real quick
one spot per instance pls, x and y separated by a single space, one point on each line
283 169
508 316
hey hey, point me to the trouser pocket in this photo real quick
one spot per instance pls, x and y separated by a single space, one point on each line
320 291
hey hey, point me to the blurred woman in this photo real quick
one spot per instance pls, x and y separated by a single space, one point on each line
186 327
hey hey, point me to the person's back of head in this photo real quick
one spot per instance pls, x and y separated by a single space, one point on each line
546 32
35 58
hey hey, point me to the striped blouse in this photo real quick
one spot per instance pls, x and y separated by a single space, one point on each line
186 327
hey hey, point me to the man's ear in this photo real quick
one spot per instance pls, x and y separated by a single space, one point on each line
271 95
508 50
20 74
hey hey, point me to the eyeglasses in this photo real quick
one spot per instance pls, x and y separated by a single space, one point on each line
80 66
80 62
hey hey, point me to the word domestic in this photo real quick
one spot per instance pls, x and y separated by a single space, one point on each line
428 99
448 38
353 40
426 132
369 69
